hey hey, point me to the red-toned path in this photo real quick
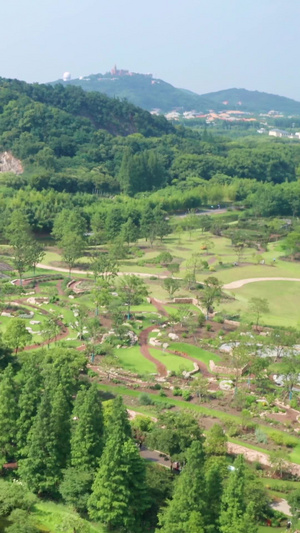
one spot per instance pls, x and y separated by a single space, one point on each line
143 340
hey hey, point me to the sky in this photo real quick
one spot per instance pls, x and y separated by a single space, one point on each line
200 45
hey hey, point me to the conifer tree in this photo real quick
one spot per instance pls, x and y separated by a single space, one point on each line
40 470
87 429
8 414
236 516
187 510
60 422
29 399
118 495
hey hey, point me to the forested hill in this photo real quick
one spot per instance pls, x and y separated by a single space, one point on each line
144 91
253 101
151 93
59 107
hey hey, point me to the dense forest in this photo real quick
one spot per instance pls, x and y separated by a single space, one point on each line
102 156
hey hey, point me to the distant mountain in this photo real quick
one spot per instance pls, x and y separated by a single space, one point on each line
142 90
253 101
151 93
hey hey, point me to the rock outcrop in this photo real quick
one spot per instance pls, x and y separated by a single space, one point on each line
8 163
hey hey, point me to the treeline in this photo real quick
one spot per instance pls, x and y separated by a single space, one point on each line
71 446
77 142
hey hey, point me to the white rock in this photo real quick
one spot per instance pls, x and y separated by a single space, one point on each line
34 322
173 336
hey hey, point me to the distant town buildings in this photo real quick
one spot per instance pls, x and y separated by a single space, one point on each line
284 134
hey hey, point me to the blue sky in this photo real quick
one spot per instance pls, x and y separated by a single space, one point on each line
201 45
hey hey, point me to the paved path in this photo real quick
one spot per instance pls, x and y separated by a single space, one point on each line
262 458
241 282
143 341
89 272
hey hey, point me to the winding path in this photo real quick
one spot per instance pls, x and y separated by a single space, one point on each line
241 282
143 341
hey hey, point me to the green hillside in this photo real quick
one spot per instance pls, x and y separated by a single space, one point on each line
150 93
254 101
144 91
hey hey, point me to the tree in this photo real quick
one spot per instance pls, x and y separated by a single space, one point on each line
258 307
216 441
199 386
282 341
15 496
278 461
30 395
36 253
8 414
118 496
174 434
291 243
75 524
186 512
51 328
16 334
129 232
80 314
18 233
104 265
211 294
22 522
236 516
131 290
171 285
87 429
76 487
101 294
72 246
290 369
40 470
294 503
193 264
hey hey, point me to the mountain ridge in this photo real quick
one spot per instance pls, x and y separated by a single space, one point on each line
152 93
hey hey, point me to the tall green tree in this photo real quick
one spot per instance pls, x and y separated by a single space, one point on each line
187 510
30 395
131 290
236 516
119 491
19 235
87 429
40 470
16 334
8 414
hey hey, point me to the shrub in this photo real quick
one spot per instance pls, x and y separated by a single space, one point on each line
144 399
186 395
184 335
200 320
177 392
162 393
153 278
221 332
157 386
261 436
208 327
219 319
281 439
233 429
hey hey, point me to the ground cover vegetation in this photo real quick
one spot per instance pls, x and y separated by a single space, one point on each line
133 286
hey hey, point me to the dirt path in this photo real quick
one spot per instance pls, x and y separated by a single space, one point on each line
160 308
241 282
89 272
59 288
202 366
262 458
143 341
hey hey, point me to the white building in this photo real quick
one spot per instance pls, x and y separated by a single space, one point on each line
279 133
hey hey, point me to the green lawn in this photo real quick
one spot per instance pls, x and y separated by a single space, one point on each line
195 351
283 298
173 363
131 359
49 516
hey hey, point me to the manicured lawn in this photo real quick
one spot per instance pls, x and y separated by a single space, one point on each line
195 351
132 359
172 362
283 298
49 516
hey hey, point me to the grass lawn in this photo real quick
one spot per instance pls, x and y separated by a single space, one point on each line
49 517
132 359
283 298
174 363
195 351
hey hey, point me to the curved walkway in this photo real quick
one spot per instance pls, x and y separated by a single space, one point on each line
89 272
143 340
241 282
